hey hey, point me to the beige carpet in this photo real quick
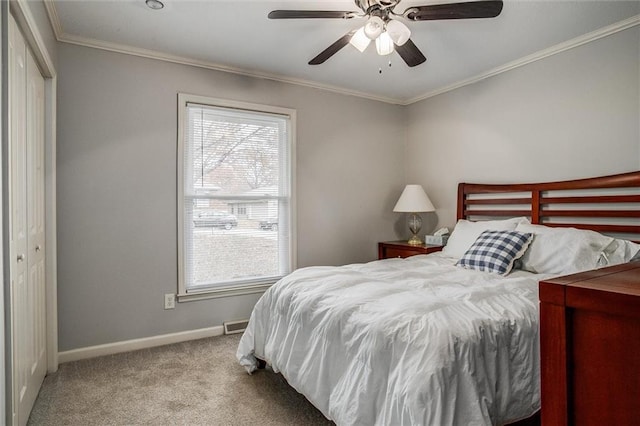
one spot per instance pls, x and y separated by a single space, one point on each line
192 383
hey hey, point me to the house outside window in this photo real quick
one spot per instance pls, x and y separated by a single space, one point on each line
235 196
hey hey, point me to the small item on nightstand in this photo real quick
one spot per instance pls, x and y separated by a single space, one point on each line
437 240
439 237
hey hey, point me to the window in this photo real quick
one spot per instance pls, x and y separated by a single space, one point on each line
235 203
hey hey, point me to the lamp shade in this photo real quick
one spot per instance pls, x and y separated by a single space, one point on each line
414 200
398 32
374 27
384 44
360 40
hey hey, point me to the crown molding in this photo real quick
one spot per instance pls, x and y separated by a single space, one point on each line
166 57
62 37
542 54
53 18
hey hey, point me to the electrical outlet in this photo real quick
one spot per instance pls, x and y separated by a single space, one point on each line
169 301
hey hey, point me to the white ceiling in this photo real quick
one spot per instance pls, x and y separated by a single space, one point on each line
236 35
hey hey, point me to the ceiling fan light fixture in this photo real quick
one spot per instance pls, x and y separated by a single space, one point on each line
374 27
154 4
398 32
384 44
360 40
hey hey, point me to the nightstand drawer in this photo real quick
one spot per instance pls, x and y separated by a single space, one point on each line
395 252
391 249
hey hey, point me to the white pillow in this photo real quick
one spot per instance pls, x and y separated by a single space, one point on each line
562 250
466 232
620 251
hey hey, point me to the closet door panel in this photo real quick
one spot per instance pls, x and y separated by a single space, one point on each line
35 228
19 294
26 226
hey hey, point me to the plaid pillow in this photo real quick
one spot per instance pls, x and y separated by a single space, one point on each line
496 251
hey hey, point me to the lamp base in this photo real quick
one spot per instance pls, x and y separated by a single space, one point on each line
414 241
415 223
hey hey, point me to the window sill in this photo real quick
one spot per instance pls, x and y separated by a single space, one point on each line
216 293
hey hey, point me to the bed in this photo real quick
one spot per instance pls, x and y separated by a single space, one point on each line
424 341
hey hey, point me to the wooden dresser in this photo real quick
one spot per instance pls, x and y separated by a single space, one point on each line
590 347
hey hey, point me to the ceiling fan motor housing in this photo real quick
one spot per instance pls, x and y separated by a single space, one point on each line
369 6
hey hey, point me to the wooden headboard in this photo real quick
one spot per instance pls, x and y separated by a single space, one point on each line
607 204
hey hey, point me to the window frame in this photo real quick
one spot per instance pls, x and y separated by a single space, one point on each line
241 289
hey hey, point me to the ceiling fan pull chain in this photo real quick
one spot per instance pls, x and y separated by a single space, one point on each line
380 68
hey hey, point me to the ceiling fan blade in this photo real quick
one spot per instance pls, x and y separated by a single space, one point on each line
410 53
333 49
305 14
467 10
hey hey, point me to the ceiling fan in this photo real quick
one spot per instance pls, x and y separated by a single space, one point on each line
383 24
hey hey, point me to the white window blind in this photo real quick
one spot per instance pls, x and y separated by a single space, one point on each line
235 187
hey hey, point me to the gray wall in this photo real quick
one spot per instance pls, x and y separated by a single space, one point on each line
572 115
117 188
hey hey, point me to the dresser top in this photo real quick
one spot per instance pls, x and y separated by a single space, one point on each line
614 290
624 278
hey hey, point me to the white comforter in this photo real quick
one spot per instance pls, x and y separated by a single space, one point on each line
412 341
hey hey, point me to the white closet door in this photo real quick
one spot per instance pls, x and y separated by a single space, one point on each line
18 223
37 366
26 145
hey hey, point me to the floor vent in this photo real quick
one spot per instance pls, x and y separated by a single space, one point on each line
233 327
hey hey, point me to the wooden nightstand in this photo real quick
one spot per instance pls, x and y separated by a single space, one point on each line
390 249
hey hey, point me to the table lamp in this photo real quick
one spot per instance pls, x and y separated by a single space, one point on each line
414 200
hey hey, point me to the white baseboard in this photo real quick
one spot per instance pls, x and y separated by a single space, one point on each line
135 344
